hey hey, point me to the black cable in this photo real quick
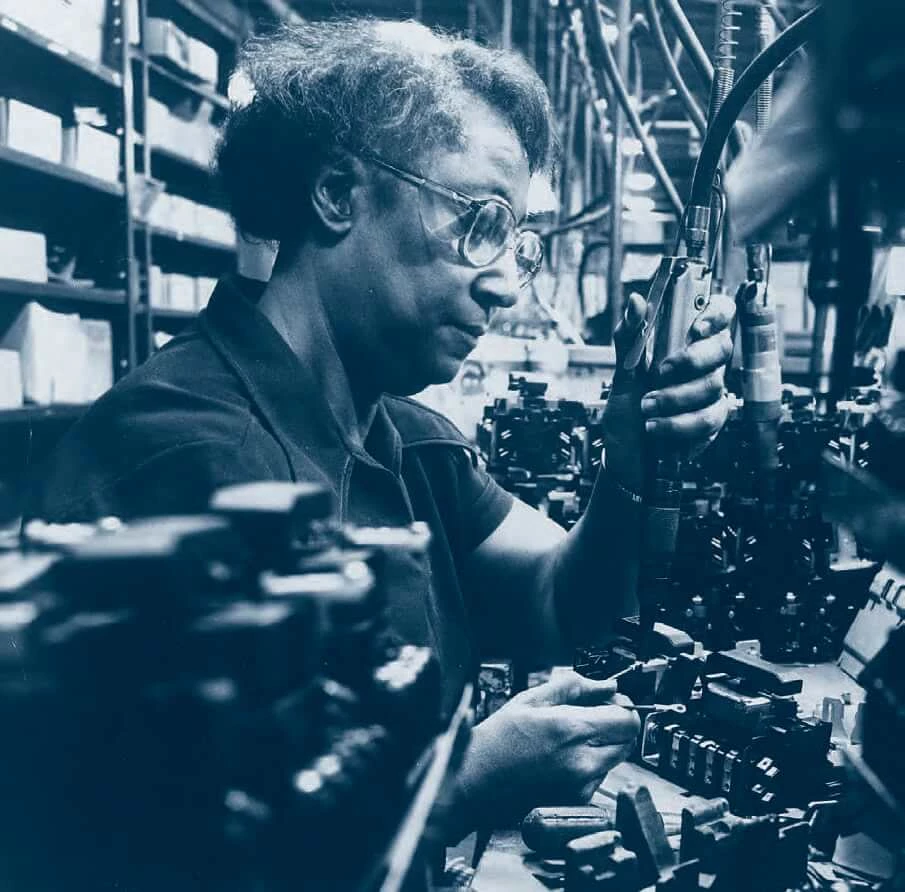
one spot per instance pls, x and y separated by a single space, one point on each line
658 35
595 35
764 64
592 214
699 57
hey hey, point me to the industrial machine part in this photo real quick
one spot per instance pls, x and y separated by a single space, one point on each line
718 850
739 736
547 452
755 556
214 701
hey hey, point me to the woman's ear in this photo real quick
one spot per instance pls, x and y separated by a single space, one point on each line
336 191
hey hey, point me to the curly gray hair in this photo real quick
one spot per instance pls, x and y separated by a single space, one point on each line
395 88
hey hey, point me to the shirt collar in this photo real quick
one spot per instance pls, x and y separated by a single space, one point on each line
284 389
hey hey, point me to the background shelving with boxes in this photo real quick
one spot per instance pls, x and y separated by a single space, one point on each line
111 231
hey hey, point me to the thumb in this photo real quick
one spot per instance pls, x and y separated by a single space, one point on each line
625 336
627 331
570 688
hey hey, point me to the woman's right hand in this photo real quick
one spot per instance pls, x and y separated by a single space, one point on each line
550 745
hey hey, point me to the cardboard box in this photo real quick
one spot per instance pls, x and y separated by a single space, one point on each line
98 379
94 11
74 26
23 255
53 353
92 151
11 396
158 127
32 130
163 40
203 61
204 287
40 17
182 292
156 290
84 38
161 211
215 225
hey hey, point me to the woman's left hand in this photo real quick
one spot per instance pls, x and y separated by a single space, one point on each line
688 405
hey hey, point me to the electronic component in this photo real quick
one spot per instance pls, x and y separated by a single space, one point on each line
210 701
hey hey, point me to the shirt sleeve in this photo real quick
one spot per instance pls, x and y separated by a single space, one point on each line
483 503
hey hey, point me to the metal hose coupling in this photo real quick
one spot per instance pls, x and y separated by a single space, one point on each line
697 229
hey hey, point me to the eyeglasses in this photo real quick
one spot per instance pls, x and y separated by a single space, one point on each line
481 232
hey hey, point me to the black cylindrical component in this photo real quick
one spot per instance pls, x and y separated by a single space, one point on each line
548 831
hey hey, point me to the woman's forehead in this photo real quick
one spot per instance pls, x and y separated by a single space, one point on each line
492 160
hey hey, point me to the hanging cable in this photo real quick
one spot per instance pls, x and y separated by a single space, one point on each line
698 56
692 109
602 48
764 64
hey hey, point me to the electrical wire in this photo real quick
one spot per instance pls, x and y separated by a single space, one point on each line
764 64
718 229
658 35
584 218
609 63
698 56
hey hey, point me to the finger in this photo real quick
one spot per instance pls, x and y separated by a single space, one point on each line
696 359
570 688
628 328
687 397
691 426
716 317
597 761
601 725
621 700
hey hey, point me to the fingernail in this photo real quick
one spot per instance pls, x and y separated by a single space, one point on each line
648 404
666 367
650 426
704 328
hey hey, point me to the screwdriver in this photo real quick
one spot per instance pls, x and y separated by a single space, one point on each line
677 708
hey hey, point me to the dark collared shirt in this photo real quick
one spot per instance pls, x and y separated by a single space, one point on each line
229 402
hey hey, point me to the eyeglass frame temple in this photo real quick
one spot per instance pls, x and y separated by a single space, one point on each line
418 180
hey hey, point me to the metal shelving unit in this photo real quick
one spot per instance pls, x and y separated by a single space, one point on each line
194 88
21 162
172 250
14 289
30 46
182 238
40 193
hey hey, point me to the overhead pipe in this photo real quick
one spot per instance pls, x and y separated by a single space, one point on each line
692 109
699 58
597 41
